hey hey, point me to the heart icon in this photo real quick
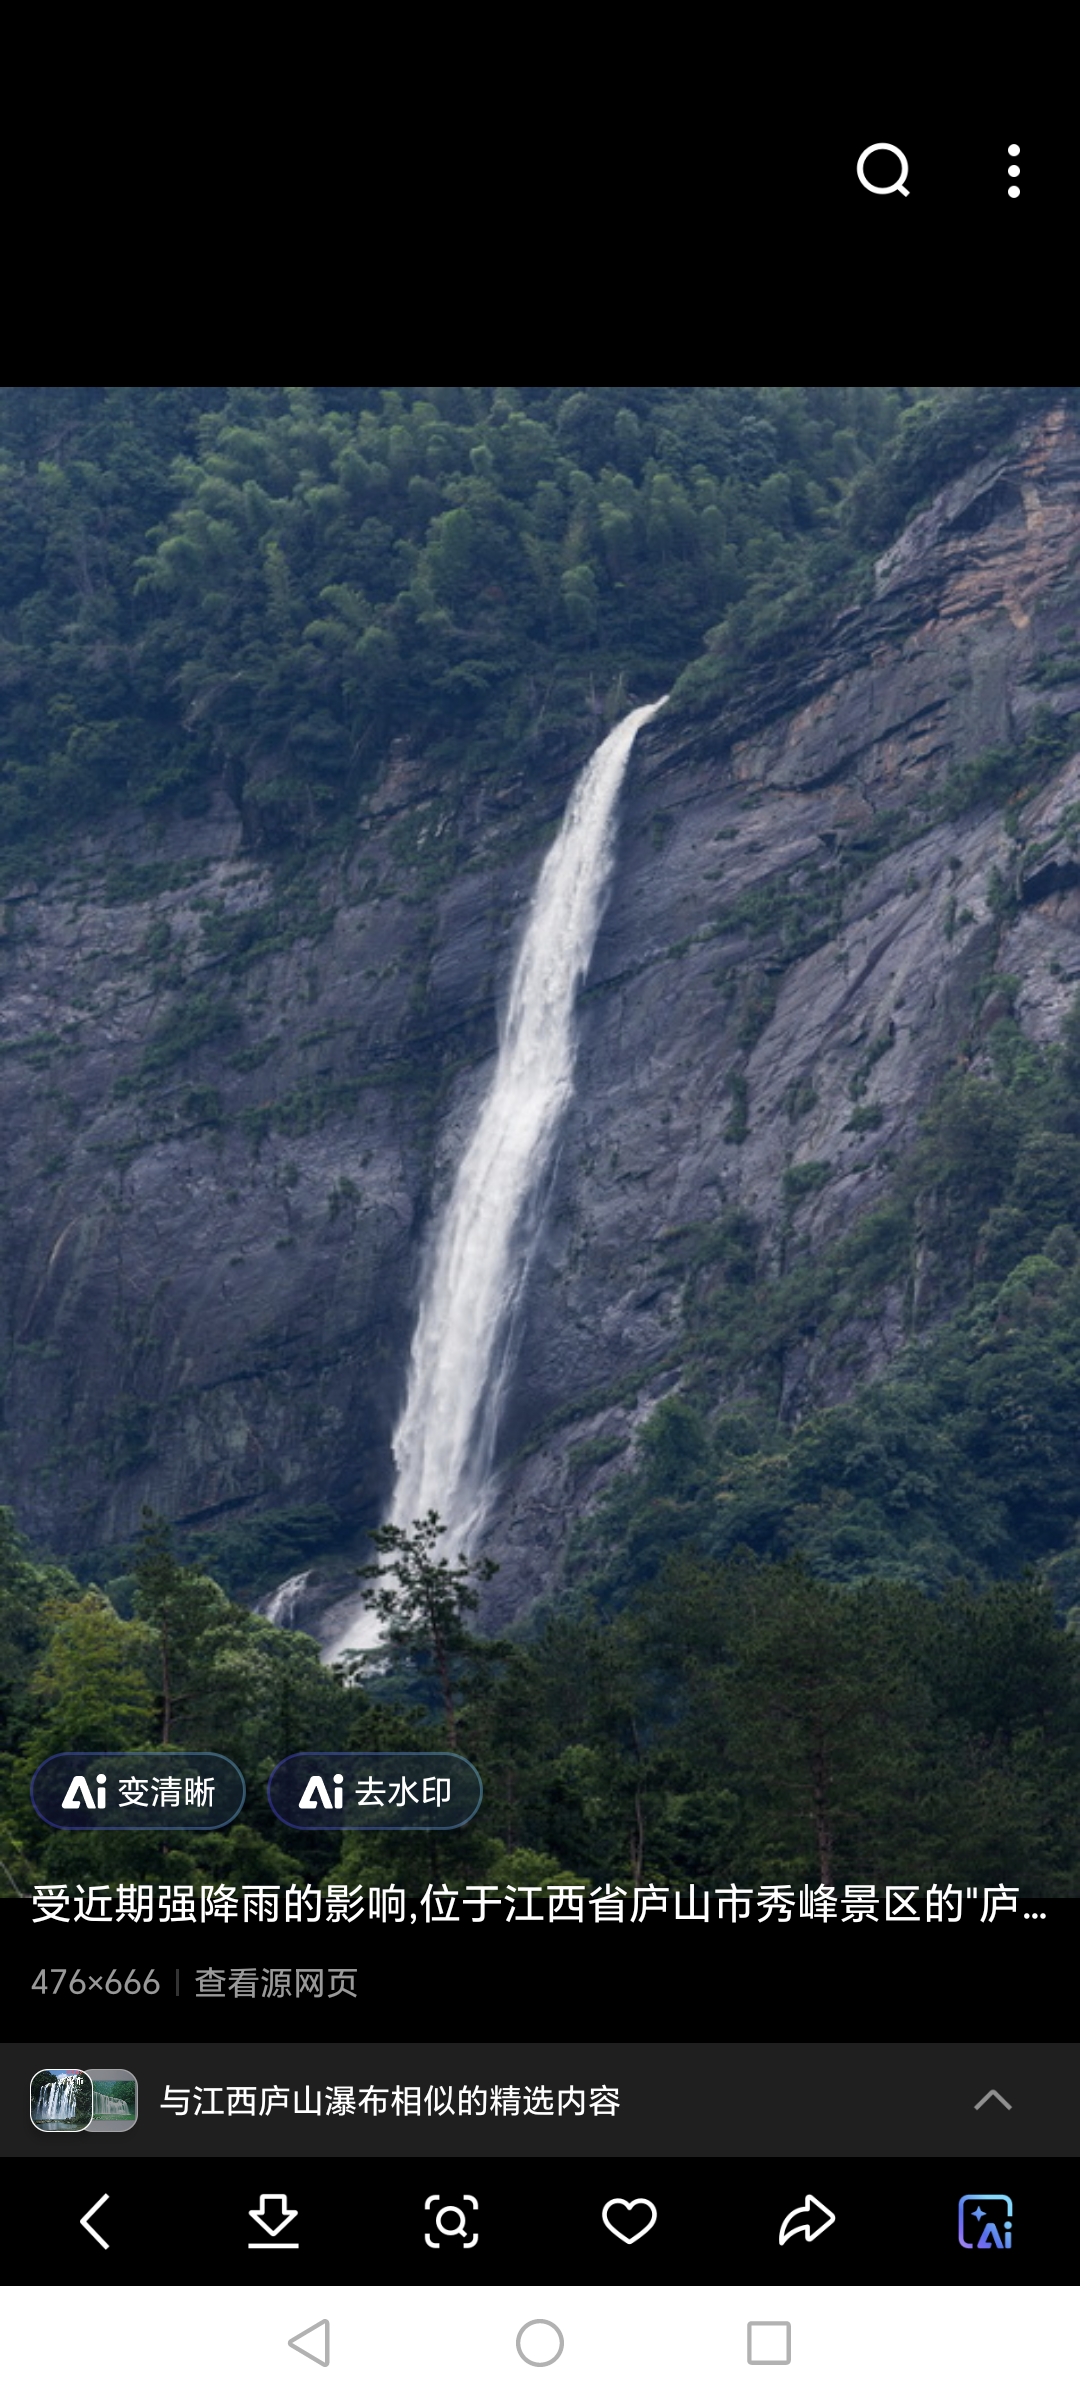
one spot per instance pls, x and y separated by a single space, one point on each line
629 2205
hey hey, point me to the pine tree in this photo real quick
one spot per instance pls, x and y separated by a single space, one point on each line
421 1599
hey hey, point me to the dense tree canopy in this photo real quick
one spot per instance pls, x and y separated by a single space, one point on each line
737 1719
269 586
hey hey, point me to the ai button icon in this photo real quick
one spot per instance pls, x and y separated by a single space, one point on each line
986 2221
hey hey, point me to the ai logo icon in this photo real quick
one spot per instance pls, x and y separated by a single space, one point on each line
986 2220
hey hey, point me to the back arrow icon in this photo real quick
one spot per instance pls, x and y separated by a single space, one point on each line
802 2220
95 2236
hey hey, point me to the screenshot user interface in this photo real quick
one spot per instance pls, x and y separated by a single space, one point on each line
539 1663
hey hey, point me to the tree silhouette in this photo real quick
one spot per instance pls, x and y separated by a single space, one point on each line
421 1598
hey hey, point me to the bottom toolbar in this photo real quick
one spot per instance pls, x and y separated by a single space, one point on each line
95 2211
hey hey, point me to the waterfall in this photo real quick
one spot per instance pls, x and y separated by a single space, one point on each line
462 1348
280 1607
58 2099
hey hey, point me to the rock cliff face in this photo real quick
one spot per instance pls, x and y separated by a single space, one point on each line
234 1089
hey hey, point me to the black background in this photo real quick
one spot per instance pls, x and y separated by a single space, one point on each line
465 1977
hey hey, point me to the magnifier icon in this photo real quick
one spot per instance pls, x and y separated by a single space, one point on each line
883 189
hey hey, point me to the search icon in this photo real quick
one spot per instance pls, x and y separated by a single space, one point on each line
883 189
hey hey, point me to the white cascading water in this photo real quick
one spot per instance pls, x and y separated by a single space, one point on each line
58 2099
463 1345
280 1606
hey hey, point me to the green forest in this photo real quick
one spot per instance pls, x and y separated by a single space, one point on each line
837 1650
738 1718
274 586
